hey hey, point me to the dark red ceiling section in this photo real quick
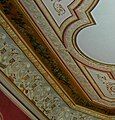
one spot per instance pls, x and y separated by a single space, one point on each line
9 110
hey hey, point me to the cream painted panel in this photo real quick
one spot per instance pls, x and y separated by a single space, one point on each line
98 41
58 9
102 80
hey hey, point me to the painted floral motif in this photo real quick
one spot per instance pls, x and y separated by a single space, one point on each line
45 54
39 48
30 81
110 83
111 88
58 7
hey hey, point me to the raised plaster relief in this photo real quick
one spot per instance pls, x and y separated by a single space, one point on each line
110 83
31 82
58 9
104 82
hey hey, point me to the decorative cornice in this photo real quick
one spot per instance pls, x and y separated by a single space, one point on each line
26 90
40 49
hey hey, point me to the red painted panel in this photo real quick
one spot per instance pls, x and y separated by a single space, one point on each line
9 110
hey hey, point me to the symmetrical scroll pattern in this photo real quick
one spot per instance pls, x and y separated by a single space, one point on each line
30 81
58 7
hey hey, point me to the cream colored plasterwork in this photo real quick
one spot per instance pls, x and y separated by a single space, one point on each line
65 9
53 39
58 9
69 35
57 45
105 83
30 81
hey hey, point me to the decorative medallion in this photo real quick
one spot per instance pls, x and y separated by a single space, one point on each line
58 9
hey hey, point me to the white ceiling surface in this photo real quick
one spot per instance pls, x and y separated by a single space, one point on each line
98 41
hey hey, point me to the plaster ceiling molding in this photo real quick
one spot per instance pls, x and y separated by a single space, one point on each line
84 81
58 12
104 84
83 11
23 79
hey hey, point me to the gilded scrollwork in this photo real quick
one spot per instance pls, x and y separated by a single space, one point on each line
45 91
31 82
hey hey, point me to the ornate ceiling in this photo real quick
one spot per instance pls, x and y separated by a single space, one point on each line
46 56
100 36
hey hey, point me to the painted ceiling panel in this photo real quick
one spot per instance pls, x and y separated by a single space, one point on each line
45 62
30 81
58 9
98 41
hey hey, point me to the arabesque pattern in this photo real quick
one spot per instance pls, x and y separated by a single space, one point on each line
30 81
